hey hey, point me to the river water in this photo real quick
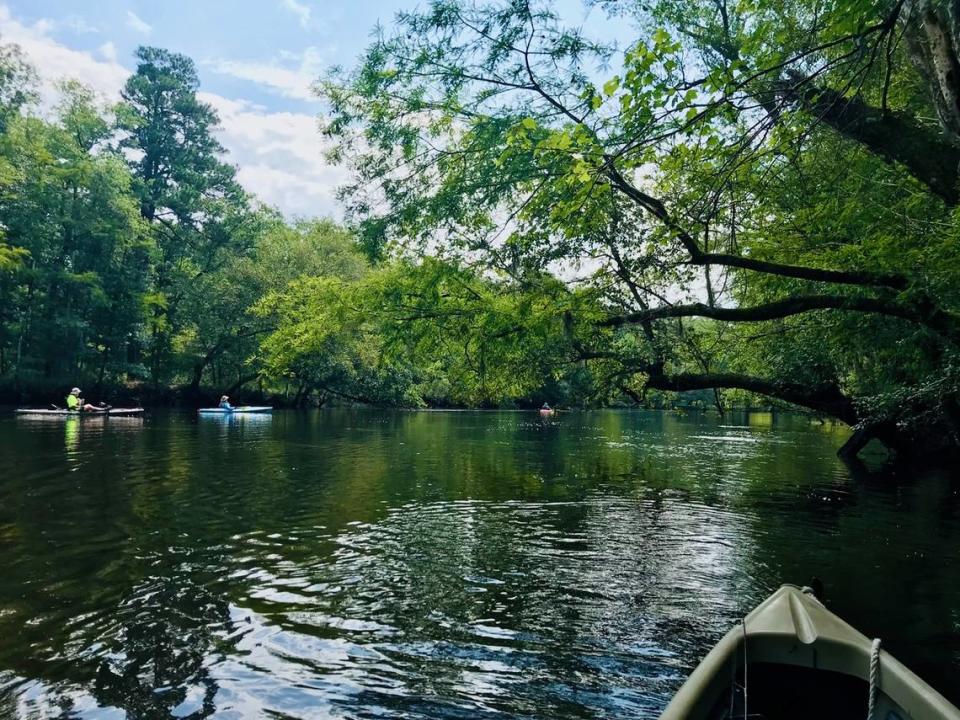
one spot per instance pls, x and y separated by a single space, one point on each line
439 564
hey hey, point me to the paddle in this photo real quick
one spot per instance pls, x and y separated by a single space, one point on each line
102 409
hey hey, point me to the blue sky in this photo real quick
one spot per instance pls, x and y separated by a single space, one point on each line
224 37
256 60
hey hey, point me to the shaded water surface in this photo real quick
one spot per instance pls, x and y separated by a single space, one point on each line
438 565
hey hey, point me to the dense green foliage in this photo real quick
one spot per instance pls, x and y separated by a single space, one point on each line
130 257
424 333
133 263
752 198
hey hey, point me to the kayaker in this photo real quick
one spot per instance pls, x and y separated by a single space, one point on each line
75 403
225 403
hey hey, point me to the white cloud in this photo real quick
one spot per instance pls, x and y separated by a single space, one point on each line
279 154
79 25
109 51
290 74
288 82
43 26
299 9
135 22
55 61
280 157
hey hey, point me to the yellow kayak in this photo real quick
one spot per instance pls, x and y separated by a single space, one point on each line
793 658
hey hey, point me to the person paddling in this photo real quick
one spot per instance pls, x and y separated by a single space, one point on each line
75 403
225 403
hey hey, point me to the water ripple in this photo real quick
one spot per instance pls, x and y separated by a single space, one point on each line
431 565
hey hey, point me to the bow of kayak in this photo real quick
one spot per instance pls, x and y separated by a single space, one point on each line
793 658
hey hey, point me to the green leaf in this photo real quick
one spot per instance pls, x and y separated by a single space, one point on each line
661 37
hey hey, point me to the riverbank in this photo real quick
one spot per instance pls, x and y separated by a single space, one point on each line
44 392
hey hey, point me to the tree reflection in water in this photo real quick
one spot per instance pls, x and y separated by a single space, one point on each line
155 657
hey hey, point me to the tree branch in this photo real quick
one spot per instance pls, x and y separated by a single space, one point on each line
825 399
697 257
894 136
940 322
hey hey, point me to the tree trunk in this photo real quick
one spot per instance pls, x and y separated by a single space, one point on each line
885 432
930 156
194 388
241 381
933 33
102 371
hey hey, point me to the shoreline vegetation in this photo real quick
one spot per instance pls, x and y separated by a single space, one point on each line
747 206
185 396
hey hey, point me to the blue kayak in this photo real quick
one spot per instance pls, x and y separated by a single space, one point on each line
236 410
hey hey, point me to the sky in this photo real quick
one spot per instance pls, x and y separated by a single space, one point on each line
256 60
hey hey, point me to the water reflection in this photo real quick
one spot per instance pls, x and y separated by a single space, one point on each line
437 564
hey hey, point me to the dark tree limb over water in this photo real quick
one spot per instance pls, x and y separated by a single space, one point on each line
941 323
931 157
828 400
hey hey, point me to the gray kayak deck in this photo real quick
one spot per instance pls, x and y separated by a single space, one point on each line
789 642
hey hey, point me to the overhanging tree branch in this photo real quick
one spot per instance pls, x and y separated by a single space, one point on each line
826 399
800 272
926 153
697 257
940 322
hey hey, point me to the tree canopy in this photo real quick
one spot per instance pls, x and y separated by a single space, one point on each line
130 257
752 196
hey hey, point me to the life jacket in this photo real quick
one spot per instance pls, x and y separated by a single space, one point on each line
73 403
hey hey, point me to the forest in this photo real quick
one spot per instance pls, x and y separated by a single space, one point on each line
753 203
134 263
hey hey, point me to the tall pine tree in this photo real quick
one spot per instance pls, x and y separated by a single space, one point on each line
187 193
